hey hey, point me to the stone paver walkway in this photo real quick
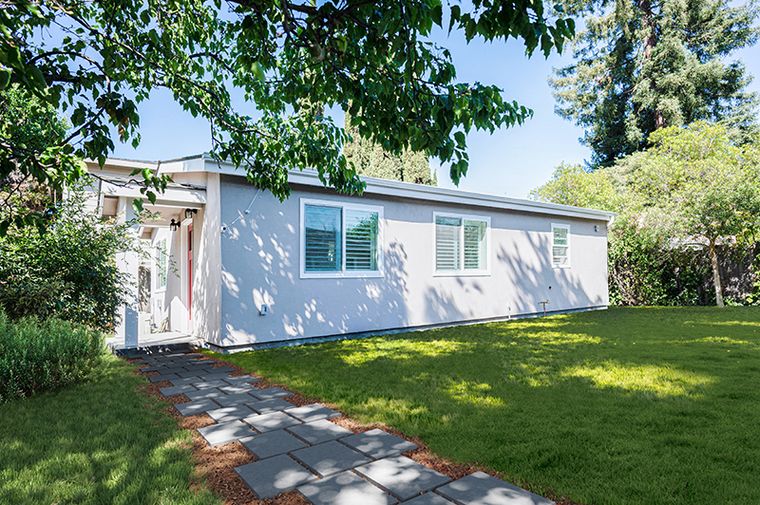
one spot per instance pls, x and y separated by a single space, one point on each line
298 447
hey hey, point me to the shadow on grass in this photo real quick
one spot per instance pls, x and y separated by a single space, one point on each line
99 442
626 406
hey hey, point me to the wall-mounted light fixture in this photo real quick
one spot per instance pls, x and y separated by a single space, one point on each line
174 225
189 213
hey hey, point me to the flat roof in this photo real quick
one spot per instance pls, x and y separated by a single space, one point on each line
205 163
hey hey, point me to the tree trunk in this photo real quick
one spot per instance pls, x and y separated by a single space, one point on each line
650 41
716 275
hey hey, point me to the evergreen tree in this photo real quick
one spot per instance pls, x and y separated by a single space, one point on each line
640 66
370 159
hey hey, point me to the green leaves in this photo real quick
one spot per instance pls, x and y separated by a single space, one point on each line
639 66
289 61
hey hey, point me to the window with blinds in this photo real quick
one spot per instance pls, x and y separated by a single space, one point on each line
340 239
322 238
361 240
560 245
461 244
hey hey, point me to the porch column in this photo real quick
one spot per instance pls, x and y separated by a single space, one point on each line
128 262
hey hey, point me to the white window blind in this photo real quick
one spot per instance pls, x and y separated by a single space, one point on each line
447 243
461 244
340 239
322 238
361 240
560 245
474 245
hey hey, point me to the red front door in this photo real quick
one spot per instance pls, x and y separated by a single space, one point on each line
190 271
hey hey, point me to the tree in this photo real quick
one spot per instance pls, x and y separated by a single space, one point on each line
642 65
96 61
705 188
370 159
33 128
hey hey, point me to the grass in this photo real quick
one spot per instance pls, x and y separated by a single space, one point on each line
626 406
101 441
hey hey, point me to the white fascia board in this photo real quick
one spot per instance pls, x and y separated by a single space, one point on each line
204 163
171 195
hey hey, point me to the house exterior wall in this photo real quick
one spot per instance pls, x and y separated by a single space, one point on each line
260 264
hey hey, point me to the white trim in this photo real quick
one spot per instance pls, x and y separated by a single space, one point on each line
462 272
560 226
343 273
398 189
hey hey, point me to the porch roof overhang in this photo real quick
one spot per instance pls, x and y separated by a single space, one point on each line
175 195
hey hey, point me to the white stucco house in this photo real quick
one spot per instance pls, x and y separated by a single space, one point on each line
235 268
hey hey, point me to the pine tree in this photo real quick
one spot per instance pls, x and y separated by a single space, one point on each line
640 66
370 159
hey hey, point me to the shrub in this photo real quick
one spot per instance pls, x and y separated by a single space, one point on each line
39 355
67 270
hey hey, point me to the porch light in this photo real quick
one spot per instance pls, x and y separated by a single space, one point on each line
174 225
189 213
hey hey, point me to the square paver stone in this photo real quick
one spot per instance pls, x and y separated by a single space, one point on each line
205 393
177 390
403 477
234 399
481 489
271 405
162 377
319 431
206 384
240 380
378 443
345 488
429 498
269 393
273 443
237 388
312 412
225 414
196 407
272 421
272 476
225 432
329 458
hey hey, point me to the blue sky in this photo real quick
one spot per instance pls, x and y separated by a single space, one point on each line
508 162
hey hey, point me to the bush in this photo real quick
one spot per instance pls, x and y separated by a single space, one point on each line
39 355
67 270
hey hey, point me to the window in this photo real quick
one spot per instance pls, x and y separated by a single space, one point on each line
561 245
340 240
461 244
162 264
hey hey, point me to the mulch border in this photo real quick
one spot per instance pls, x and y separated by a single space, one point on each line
215 465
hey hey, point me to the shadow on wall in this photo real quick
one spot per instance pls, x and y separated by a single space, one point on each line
260 267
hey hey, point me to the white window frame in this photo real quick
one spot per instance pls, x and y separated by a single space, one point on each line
158 287
462 272
343 273
560 226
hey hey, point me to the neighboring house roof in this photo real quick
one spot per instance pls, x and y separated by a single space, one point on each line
385 187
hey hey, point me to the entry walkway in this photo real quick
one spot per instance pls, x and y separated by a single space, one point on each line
299 448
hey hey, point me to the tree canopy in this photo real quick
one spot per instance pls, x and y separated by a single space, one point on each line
370 159
641 65
97 61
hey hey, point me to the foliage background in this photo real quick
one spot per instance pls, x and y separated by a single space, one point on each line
693 182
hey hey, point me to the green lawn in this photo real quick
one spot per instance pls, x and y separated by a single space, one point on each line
626 406
100 442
